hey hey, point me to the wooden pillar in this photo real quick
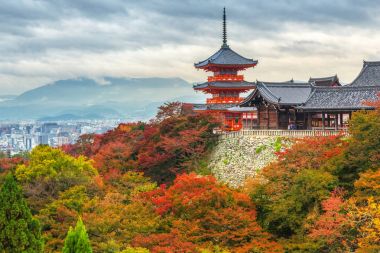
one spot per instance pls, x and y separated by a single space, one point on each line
304 120
328 120
323 120
258 117
278 117
336 121
341 119
267 117
309 120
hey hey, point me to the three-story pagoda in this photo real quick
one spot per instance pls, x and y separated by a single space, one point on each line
225 85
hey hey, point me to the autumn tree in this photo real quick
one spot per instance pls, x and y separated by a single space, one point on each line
204 212
172 241
364 212
363 150
50 171
332 224
286 191
19 231
135 250
168 110
121 215
113 217
77 240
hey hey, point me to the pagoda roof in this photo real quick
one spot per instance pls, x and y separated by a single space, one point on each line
225 85
213 107
325 81
282 93
226 57
341 98
369 75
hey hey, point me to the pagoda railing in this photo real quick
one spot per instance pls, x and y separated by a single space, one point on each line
224 100
283 133
234 78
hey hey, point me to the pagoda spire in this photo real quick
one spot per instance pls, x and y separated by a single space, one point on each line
224 28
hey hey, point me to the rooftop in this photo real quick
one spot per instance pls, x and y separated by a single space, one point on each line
345 97
282 93
216 107
369 75
228 58
225 56
225 85
325 81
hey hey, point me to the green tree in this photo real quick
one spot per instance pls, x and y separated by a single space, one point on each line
77 240
363 150
19 231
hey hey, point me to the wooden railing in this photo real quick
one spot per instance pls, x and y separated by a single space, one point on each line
224 100
225 78
284 133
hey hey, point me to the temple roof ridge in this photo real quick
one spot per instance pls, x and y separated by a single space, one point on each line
371 63
369 75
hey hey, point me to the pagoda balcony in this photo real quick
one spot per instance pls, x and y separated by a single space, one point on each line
233 78
224 100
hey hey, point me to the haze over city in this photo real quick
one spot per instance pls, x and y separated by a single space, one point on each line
46 41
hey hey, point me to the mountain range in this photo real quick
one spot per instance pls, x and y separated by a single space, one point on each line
84 98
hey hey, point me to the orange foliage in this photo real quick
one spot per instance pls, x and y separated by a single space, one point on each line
204 212
307 153
7 164
160 149
332 222
171 242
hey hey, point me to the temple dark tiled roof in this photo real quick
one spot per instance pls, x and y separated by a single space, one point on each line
206 107
369 75
325 81
285 93
225 85
340 98
226 57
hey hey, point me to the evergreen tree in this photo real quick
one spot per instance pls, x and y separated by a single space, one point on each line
77 240
19 231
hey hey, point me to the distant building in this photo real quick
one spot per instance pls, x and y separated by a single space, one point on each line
62 140
43 139
48 127
28 143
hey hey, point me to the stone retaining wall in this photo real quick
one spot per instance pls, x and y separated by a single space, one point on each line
238 157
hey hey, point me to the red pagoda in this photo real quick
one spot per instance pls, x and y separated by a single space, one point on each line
225 85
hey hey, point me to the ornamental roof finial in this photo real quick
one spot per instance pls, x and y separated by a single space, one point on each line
224 27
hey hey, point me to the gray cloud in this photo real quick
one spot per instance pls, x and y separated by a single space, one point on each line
43 40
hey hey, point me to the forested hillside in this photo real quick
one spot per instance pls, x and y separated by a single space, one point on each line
147 187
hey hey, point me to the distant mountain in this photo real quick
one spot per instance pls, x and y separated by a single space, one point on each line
7 97
83 98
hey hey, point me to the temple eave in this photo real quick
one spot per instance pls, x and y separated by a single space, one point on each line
210 66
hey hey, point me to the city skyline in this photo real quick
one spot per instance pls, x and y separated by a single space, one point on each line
45 41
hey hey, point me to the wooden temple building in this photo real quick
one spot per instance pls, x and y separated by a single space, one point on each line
319 103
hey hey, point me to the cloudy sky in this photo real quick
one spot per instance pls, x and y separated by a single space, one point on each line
47 40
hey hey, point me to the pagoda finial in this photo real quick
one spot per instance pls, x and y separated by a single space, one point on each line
224 27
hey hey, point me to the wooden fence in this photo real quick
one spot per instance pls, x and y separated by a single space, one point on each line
284 133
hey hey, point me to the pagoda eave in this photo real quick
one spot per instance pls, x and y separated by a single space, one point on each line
214 90
215 67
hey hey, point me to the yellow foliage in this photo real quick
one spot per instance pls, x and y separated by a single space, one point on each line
366 220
